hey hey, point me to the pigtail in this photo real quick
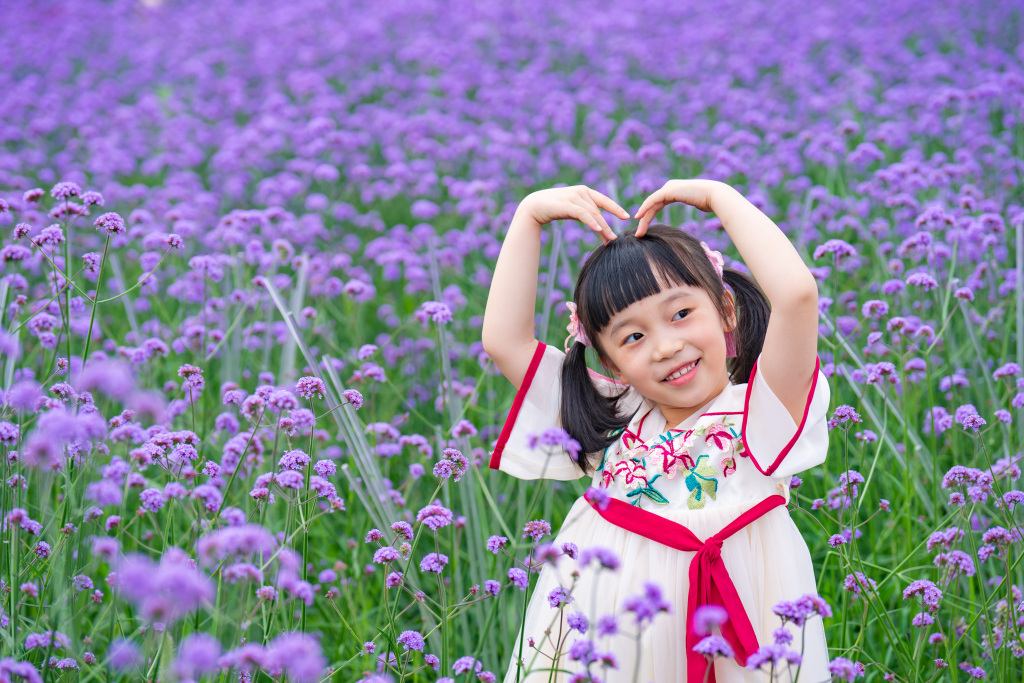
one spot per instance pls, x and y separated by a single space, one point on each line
586 414
752 312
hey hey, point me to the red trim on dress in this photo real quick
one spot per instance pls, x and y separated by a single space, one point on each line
800 427
506 430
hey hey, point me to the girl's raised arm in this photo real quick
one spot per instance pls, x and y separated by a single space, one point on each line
508 332
791 342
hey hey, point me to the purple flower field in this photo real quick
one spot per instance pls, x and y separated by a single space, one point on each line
245 413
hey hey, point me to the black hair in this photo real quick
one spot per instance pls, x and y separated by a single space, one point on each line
602 291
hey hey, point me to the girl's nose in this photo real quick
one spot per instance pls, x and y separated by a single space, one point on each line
668 346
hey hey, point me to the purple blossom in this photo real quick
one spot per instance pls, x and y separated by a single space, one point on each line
559 596
310 388
111 223
435 516
713 646
578 621
845 669
354 398
434 562
518 578
536 529
707 616
411 640
496 543
647 604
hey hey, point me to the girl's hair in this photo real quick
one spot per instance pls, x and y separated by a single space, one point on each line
623 272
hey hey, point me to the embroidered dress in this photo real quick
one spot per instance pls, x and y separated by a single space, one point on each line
718 466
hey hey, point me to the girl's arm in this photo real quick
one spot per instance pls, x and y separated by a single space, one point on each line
508 333
791 343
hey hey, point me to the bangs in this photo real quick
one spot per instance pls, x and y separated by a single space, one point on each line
604 291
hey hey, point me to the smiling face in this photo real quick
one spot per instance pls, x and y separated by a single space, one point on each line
651 340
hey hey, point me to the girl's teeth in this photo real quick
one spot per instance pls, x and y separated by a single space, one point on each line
681 372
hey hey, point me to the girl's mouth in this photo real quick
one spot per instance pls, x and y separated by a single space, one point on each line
683 375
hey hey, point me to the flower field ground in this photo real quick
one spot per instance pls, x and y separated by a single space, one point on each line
245 413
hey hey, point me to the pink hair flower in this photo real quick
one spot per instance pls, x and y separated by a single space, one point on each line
574 328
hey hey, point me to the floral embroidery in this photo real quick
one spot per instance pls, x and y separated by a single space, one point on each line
700 481
638 467
728 466
670 454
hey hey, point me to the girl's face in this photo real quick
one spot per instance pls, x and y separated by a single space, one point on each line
653 339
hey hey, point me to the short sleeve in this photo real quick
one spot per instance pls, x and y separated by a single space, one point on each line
777 446
535 409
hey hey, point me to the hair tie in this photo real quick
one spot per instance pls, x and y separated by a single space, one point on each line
575 328
719 263
716 259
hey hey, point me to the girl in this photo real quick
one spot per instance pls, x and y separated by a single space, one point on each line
715 405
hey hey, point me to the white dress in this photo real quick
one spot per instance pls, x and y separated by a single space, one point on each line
739 449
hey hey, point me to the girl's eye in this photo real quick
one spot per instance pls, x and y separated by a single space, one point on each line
685 310
630 337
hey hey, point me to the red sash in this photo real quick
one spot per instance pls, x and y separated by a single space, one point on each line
710 583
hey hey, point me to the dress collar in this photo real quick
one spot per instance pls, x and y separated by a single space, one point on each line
655 422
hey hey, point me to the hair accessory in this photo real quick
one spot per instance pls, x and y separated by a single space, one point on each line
719 263
575 328
716 259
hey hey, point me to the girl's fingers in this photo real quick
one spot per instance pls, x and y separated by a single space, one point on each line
650 201
584 216
595 213
648 216
608 204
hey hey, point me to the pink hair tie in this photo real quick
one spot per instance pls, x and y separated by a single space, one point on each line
719 263
716 259
575 328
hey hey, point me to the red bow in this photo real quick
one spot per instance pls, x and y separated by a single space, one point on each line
710 583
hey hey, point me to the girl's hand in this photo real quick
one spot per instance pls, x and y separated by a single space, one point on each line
578 202
696 192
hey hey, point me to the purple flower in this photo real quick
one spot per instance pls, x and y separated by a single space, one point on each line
845 669
578 621
152 499
536 529
293 460
435 516
929 592
411 640
123 654
713 646
298 654
353 397
111 223
436 311
496 543
467 663
857 582
403 529
386 554
648 604
606 558
63 190
393 579
325 468
559 596
922 280
835 246
310 388
197 654
518 578
707 616
434 562
82 582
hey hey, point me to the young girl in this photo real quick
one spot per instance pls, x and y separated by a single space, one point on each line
717 401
